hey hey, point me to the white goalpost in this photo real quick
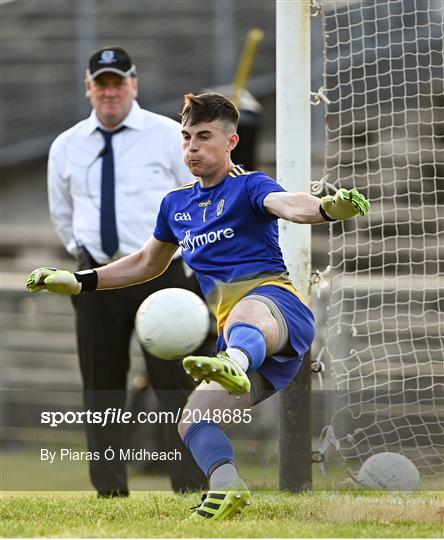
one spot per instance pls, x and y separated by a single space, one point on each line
293 145
384 74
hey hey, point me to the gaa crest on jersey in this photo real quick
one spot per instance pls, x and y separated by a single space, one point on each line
220 207
182 216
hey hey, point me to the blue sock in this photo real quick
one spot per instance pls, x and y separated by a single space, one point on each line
209 445
250 340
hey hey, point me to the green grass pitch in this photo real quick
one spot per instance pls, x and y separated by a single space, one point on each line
333 510
272 514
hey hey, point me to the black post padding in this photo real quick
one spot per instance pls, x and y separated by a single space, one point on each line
295 432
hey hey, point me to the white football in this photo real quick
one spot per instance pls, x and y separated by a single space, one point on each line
172 323
389 471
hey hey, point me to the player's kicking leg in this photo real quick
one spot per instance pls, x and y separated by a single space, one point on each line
251 333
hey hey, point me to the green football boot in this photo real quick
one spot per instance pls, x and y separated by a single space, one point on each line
219 368
223 503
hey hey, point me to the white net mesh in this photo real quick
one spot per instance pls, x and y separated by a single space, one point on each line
383 72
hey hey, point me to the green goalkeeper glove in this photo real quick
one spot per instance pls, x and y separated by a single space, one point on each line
58 281
344 204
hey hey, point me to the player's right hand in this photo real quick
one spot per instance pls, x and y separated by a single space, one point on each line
54 280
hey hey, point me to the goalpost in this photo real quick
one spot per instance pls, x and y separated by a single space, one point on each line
293 172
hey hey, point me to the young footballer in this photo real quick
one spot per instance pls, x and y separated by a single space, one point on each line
225 223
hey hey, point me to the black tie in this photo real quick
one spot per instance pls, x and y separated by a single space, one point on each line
108 225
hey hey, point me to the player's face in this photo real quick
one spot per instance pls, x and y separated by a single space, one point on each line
207 147
112 97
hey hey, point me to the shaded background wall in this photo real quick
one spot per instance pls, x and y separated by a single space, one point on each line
178 46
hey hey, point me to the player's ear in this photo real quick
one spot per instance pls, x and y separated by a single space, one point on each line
232 142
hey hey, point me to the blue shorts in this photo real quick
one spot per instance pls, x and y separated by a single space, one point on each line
280 370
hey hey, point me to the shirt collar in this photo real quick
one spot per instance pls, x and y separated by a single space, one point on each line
133 120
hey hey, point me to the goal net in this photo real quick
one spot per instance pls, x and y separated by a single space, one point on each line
383 73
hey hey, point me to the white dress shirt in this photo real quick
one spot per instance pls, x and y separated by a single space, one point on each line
148 163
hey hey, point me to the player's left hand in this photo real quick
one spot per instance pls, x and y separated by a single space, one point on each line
345 204
54 280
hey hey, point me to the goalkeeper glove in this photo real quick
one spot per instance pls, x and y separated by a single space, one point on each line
58 281
344 204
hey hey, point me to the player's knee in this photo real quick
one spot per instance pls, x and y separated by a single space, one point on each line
258 314
244 311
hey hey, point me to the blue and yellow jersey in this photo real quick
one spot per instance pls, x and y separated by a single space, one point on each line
226 236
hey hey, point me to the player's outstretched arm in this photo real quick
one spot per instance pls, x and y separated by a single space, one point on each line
305 208
139 267
148 263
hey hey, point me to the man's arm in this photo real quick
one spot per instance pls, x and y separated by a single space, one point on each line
146 264
59 198
306 208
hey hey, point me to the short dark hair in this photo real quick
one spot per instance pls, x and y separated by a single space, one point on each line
208 107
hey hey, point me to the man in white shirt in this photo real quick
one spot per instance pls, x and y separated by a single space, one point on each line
106 178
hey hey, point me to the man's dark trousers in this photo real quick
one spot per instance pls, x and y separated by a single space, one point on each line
104 323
